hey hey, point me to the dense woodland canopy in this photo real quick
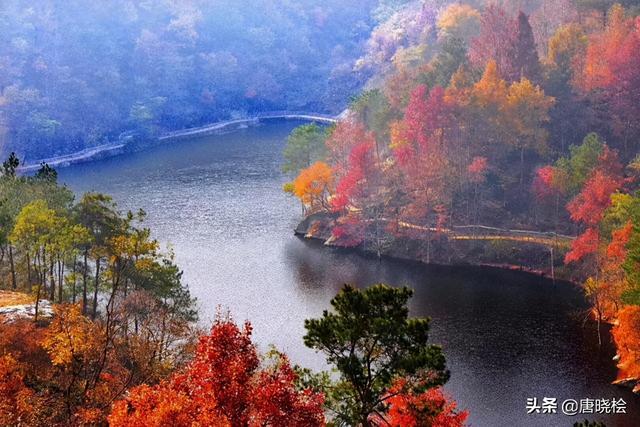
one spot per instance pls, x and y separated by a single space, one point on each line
513 115
75 74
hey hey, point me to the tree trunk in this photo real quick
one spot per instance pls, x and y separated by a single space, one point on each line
52 281
60 280
95 292
73 284
41 279
35 318
14 283
29 279
85 271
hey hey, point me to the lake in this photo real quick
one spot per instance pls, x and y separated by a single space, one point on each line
217 201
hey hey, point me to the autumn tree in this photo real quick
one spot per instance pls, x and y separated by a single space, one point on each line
223 385
19 405
361 196
561 182
527 110
347 134
566 49
398 86
15 193
551 185
373 343
588 208
420 143
487 102
313 186
609 76
460 21
494 41
627 337
428 408
90 382
36 229
620 93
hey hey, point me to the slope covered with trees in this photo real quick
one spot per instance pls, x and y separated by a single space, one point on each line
122 315
75 74
494 116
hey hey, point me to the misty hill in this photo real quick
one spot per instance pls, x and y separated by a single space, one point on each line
75 74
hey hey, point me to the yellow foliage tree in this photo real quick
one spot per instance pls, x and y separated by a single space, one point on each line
527 112
71 337
397 134
487 99
491 90
459 20
313 187
565 46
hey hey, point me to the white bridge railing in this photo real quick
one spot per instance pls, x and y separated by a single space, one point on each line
115 147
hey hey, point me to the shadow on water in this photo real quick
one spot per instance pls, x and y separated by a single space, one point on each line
507 335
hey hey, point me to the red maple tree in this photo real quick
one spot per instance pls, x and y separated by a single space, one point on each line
223 385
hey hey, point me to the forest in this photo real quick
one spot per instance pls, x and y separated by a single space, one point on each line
514 116
494 117
122 345
76 74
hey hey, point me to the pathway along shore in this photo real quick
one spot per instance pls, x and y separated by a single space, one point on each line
115 148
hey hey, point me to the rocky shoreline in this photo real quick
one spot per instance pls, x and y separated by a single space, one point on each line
533 258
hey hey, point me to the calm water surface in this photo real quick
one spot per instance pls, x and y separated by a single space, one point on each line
217 201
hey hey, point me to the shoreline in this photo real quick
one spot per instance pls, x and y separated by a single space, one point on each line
524 256
496 266
451 253
117 148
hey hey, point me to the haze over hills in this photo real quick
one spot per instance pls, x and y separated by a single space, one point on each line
481 145
74 74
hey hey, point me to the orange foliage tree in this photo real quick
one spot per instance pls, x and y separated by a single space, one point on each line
313 186
611 74
627 337
223 385
429 408
19 405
